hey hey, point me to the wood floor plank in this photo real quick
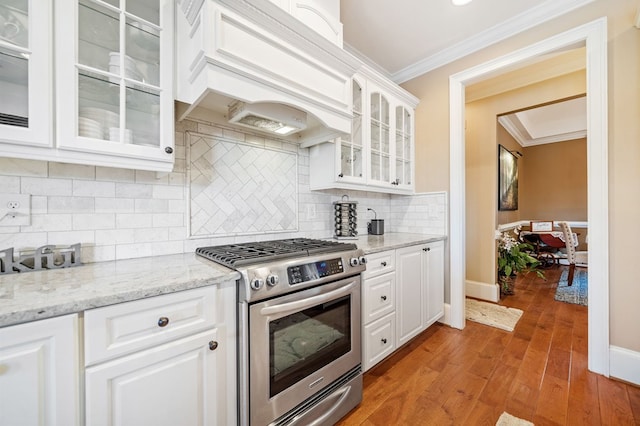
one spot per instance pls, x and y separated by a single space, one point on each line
538 372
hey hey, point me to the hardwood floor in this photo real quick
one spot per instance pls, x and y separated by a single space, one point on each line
538 372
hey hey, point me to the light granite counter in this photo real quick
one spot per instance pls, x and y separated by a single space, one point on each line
29 296
393 240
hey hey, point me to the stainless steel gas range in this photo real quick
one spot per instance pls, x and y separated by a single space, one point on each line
299 324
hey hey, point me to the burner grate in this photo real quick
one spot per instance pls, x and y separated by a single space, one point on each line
236 255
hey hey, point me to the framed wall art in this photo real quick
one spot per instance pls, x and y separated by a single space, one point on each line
507 180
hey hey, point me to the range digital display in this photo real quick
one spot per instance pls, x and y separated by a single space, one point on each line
313 271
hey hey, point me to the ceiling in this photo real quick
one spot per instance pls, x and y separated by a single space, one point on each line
406 38
403 39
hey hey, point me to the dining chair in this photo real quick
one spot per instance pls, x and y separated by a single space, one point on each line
573 256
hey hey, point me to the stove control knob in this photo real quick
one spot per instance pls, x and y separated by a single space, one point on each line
353 261
362 260
257 283
272 280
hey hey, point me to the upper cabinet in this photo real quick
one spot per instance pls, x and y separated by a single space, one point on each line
113 83
323 16
115 70
25 73
379 154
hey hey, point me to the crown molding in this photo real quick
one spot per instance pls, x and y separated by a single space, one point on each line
535 16
365 60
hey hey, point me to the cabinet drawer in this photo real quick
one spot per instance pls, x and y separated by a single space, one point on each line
378 297
379 340
380 263
127 327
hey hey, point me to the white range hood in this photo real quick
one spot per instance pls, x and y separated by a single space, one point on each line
252 57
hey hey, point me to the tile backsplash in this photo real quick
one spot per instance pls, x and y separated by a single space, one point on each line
121 213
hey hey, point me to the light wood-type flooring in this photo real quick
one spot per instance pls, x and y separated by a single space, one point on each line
538 372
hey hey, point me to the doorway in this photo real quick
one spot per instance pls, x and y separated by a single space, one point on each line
594 37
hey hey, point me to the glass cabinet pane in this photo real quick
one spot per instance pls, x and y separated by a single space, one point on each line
142 116
149 10
14 89
98 37
142 62
357 97
14 22
98 107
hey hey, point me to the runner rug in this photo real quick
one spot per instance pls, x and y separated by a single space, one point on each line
576 293
491 314
507 419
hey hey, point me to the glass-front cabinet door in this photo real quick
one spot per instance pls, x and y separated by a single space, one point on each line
115 79
379 166
25 74
352 148
404 147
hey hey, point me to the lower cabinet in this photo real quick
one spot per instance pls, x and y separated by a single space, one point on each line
176 383
166 360
402 294
39 373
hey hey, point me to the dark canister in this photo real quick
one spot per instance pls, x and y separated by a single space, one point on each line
375 227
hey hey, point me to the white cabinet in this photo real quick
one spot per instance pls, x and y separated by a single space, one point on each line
323 16
378 308
419 289
165 360
26 71
379 153
113 83
39 373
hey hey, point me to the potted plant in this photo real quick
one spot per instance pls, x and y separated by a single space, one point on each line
513 258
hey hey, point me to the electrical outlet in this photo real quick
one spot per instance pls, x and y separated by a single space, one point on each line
15 209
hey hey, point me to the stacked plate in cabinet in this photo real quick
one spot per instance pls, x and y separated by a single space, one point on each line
345 218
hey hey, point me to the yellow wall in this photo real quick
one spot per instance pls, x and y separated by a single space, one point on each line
481 150
432 142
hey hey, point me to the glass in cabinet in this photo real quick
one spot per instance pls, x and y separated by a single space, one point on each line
351 148
379 134
25 73
403 142
120 78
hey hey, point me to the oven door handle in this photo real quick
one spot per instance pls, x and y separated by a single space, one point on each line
309 302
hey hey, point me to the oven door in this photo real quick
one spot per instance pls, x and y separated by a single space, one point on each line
300 343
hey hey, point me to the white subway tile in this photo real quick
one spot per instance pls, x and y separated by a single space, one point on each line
74 171
9 184
48 223
94 188
177 233
168 192
115 175
177 206
19 167
69 204
145 235
114 236
131 251
92 254
133 190
94 221
154 178
167 220
208 130
167 247
48 187
115 205
24 240
68 238
151 205
133 220
39 204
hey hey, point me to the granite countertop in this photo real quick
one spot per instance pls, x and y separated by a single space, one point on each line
394 240
29 296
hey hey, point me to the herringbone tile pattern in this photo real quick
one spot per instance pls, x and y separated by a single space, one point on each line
239 189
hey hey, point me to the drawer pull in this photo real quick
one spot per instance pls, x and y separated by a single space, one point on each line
384 341
426 249
383 298
213 345
384 264
163 322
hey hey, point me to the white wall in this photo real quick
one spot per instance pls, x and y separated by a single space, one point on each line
121 213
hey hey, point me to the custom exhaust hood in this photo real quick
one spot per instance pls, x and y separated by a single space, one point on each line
251 64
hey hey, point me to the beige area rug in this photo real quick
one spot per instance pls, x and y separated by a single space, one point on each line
492 314
507 419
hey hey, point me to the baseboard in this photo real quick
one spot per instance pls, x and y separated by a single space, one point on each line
446 318
483 291
624 364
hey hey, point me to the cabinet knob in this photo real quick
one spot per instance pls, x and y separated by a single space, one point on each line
383 297
163 322
384 341
213 345
383 263
168 150
340 175
426 249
